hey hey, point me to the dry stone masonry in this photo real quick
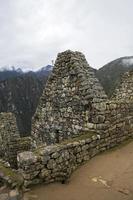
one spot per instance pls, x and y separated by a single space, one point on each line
57 162
66 106
10 141
74 122
125 90
110 120
8 132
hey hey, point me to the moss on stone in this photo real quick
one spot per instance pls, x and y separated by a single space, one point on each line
25 141
83 136
12 175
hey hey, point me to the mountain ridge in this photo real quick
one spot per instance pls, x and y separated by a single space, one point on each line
109 75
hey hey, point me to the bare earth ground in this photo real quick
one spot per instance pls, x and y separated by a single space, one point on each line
108 176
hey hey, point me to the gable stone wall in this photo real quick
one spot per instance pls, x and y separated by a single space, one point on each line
67 107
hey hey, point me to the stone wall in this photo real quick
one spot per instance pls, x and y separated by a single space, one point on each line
10 141
124 92
66 106
119 116
16 146
74 113
57 162
8 131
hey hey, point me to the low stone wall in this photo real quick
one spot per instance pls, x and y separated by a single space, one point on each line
16 146
57 162
113 125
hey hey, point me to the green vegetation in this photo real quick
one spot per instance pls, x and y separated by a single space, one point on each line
12 175
83 136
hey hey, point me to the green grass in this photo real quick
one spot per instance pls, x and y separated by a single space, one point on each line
14 176
83 136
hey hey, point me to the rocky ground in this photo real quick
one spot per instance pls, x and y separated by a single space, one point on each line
108 176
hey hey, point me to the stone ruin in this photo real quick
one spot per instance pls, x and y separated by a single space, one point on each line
10 141
8 131
66 106
124 92
74 122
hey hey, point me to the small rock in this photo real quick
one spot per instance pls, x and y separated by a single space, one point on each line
94 179
14 195
124 191
2 188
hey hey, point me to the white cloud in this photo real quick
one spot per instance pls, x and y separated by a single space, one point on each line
128 61
33 31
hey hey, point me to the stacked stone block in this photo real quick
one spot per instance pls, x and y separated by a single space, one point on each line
67 107
57 162
10 141
73 112
124 92
8 132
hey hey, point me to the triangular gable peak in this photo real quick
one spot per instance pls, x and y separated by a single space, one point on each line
65 105
124 92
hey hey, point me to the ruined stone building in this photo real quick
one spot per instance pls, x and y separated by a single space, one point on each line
111 122
10 141
124 92
74 122
66 106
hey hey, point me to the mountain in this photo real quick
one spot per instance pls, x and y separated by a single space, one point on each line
20 93
7 73
109 75
15 72
44 71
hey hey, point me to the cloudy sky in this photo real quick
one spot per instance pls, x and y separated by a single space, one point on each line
32 32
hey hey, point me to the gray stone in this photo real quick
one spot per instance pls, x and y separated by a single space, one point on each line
67 99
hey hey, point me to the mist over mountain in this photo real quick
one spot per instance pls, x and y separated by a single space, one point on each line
7 73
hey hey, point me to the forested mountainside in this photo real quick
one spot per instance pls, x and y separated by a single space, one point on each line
20 94
109 75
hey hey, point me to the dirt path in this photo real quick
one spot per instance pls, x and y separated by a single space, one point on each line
108 176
